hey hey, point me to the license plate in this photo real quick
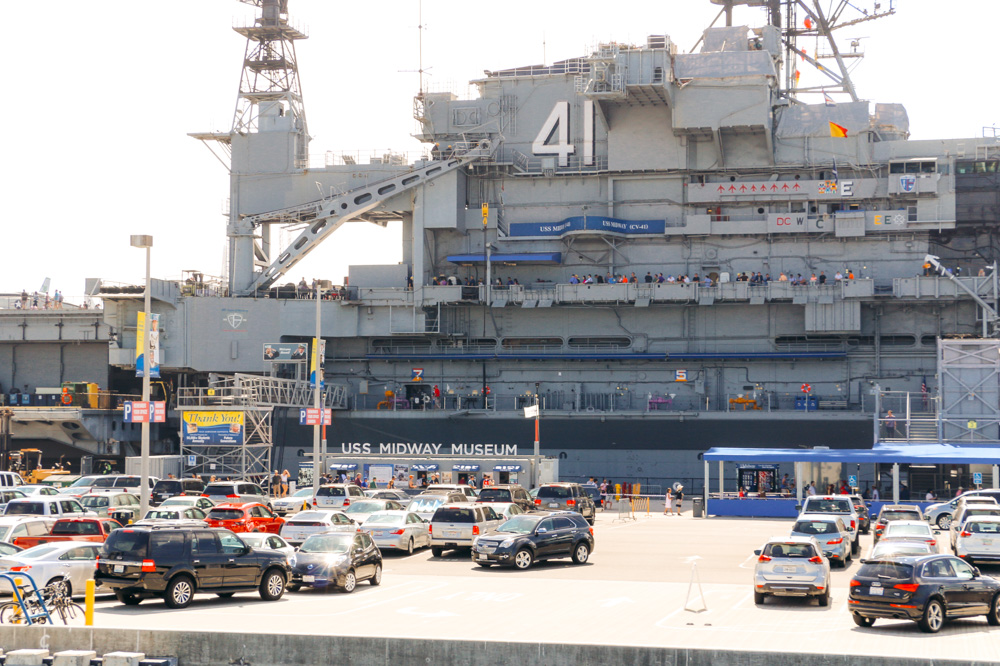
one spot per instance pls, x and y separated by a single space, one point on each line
451 534
119 568
554 505
788 569
484 557
876 591
378 532
308 579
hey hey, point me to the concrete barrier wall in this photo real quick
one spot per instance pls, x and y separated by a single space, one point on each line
219 649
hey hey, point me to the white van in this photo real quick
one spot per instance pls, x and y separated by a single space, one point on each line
58 507
10 480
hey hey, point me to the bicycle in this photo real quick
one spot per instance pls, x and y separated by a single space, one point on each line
53 596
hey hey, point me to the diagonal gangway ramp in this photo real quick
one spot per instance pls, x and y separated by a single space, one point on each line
325 216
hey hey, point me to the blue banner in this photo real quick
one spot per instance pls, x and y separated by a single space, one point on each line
607 225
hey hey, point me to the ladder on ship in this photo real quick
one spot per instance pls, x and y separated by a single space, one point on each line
325 216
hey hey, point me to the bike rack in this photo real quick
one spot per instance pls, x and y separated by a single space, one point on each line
19 597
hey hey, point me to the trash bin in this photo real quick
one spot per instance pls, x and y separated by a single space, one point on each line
698 507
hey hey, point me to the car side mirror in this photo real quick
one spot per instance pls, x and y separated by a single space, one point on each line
976 572
864 561
756 552
541 530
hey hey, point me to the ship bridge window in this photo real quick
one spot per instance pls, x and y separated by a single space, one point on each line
531 343
600 342
913 166
978 166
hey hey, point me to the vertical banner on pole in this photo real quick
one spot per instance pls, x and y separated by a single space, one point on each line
154 345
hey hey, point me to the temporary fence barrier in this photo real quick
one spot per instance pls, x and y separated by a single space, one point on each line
625 512
640 504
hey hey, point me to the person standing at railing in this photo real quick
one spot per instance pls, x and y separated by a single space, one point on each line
890 424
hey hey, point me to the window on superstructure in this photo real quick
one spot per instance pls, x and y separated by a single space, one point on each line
600 342
911 213
526 344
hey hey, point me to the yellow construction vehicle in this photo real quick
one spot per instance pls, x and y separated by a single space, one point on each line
28 463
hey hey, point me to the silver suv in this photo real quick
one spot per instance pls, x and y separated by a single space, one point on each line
459 525
236 492
337 495
791 567
830 533
838 505
566 497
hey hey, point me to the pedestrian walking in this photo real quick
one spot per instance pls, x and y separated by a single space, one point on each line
678 497
284 483
668 503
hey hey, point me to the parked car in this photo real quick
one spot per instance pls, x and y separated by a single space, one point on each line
506 510
120 483
36 489
964 513
463 488
13 527
830 534
174 563
175 513
264 541
530 537
425 504
864 514
71 529
123 507
941 514
593 491
47 563
202 503
245 517
360 510
509 493
898 547
39 506
339 559
8 495
979 539
398 530
306 523
337 495
390 493
840 505
928 590
239 492
566 497
793 567
909 530
10 480
81 486
288 506
457 525
167 488
891 512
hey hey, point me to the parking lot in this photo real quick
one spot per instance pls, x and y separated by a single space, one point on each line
635 590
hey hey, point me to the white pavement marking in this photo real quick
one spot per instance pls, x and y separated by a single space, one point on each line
608 603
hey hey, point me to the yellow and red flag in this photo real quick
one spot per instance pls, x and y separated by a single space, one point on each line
838 131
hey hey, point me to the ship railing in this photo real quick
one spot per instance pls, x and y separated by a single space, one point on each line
544 165
257 391
938 287
375 157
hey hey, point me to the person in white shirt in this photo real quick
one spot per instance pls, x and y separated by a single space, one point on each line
929 497
875 494
812 488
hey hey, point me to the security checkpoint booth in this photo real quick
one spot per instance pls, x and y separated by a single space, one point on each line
719 504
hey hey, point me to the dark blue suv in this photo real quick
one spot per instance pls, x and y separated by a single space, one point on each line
529 537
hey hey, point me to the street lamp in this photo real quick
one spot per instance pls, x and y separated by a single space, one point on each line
319 440
145 242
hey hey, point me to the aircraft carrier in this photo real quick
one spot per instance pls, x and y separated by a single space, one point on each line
666 249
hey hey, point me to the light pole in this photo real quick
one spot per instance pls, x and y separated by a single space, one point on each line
538 460
145 242
319 445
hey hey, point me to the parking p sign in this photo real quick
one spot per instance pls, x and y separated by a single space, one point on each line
852 481
977 478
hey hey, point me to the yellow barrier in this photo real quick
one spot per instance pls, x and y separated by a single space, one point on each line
640 504
88 612
618 491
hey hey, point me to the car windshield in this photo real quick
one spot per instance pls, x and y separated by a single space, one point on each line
167 486
97 502
887 548
891 570
384 519
982 528
980 512
220 489
105 482
327 543
307 516
522 524
162 514
491 494
305 492
25 508
179 500
896 514
127 542
555 491
425 504
828 506
897 529
37 552
815 527
225 514
90 527
329 491
84 481
254 540
365 507
800 550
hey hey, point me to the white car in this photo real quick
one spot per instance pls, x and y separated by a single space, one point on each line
506 510
397 530
909 530
264 541
287 506
174 513
37 489
979 539
116 483
81 486
202 503
360 510
12 527
48 562
59 507
899 547
301 525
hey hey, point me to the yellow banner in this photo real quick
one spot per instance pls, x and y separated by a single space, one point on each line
213 418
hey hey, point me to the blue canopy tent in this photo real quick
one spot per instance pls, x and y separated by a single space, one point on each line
941 453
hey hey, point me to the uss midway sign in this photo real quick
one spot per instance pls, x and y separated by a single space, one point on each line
421 449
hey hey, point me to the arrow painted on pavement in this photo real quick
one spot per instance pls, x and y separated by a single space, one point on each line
692 559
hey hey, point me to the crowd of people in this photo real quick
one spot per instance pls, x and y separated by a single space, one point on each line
40 301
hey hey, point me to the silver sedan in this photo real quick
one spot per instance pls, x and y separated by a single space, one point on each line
49 561
397 530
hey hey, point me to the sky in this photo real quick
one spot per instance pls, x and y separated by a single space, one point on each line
100 99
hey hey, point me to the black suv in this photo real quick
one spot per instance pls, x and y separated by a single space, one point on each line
927 589
174 562
511 492
167 488
528 537
566 497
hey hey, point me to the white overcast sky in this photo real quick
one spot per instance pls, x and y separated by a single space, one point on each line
100 97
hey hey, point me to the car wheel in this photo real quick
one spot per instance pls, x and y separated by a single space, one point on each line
824 599
592 520
523 559
863 621
272 585
409 547
350 582
933 618
436 552
847 560
128 598
758 598
179 592
224 595
581 553
292 587
993 617
855 546
944 521
377 578
485 565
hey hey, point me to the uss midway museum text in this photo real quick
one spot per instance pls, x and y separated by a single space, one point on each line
405 448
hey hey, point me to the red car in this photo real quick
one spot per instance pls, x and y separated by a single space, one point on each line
249 517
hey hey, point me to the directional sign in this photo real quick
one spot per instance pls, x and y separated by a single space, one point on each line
192 461
852 481
977 478
312 416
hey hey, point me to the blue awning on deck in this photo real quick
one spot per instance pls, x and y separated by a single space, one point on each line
944 453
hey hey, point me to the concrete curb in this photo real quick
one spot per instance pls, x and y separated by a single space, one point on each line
218 648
